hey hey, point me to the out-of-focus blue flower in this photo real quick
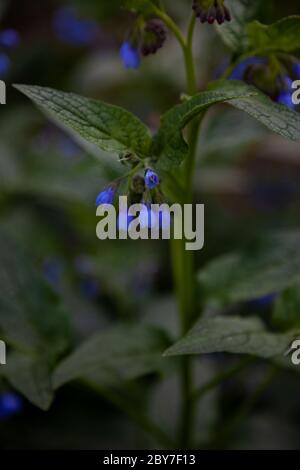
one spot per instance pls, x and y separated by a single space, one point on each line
106 196
239 72
53 271
130 56
151 179
74 30
9 38
273 195
4 65
10 404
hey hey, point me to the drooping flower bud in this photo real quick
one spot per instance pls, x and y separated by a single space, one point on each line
130 55
211 10
155 35
106 196
151 179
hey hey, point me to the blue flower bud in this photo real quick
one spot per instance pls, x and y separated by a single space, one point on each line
106 196
9 38
10 405
151 179
240 70
4 65
130 56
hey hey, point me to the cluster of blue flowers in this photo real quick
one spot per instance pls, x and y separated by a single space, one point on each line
147 218
9 39
284 91
72 29
11 404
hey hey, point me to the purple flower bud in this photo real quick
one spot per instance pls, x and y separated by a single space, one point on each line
151 179
9 38
106 196
155 35
211 11
130 56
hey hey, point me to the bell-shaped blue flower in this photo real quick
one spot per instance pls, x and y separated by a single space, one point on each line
296 70
130 56
106 196
239 71
151 179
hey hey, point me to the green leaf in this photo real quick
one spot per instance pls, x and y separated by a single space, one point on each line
276 117
282 36
119 354
31 317
169 147
286 313
234 33
270 268
31 377
233 335
111 128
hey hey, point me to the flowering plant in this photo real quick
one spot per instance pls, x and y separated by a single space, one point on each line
161 166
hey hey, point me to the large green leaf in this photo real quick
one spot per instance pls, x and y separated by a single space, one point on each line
108 358
111 128
234 33
282 36
29 375
169 147
271 268
31 317
233 335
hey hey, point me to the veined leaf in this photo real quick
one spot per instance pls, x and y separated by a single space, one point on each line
111 128
169 146
286 314
233 335
31 317
282 36
108 358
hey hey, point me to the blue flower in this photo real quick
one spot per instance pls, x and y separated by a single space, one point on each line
130 56
9 38
10 405
4 65
73 30
151 179
264 301
285 96
239 72
106 196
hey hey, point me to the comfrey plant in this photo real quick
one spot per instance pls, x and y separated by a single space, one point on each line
159 168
